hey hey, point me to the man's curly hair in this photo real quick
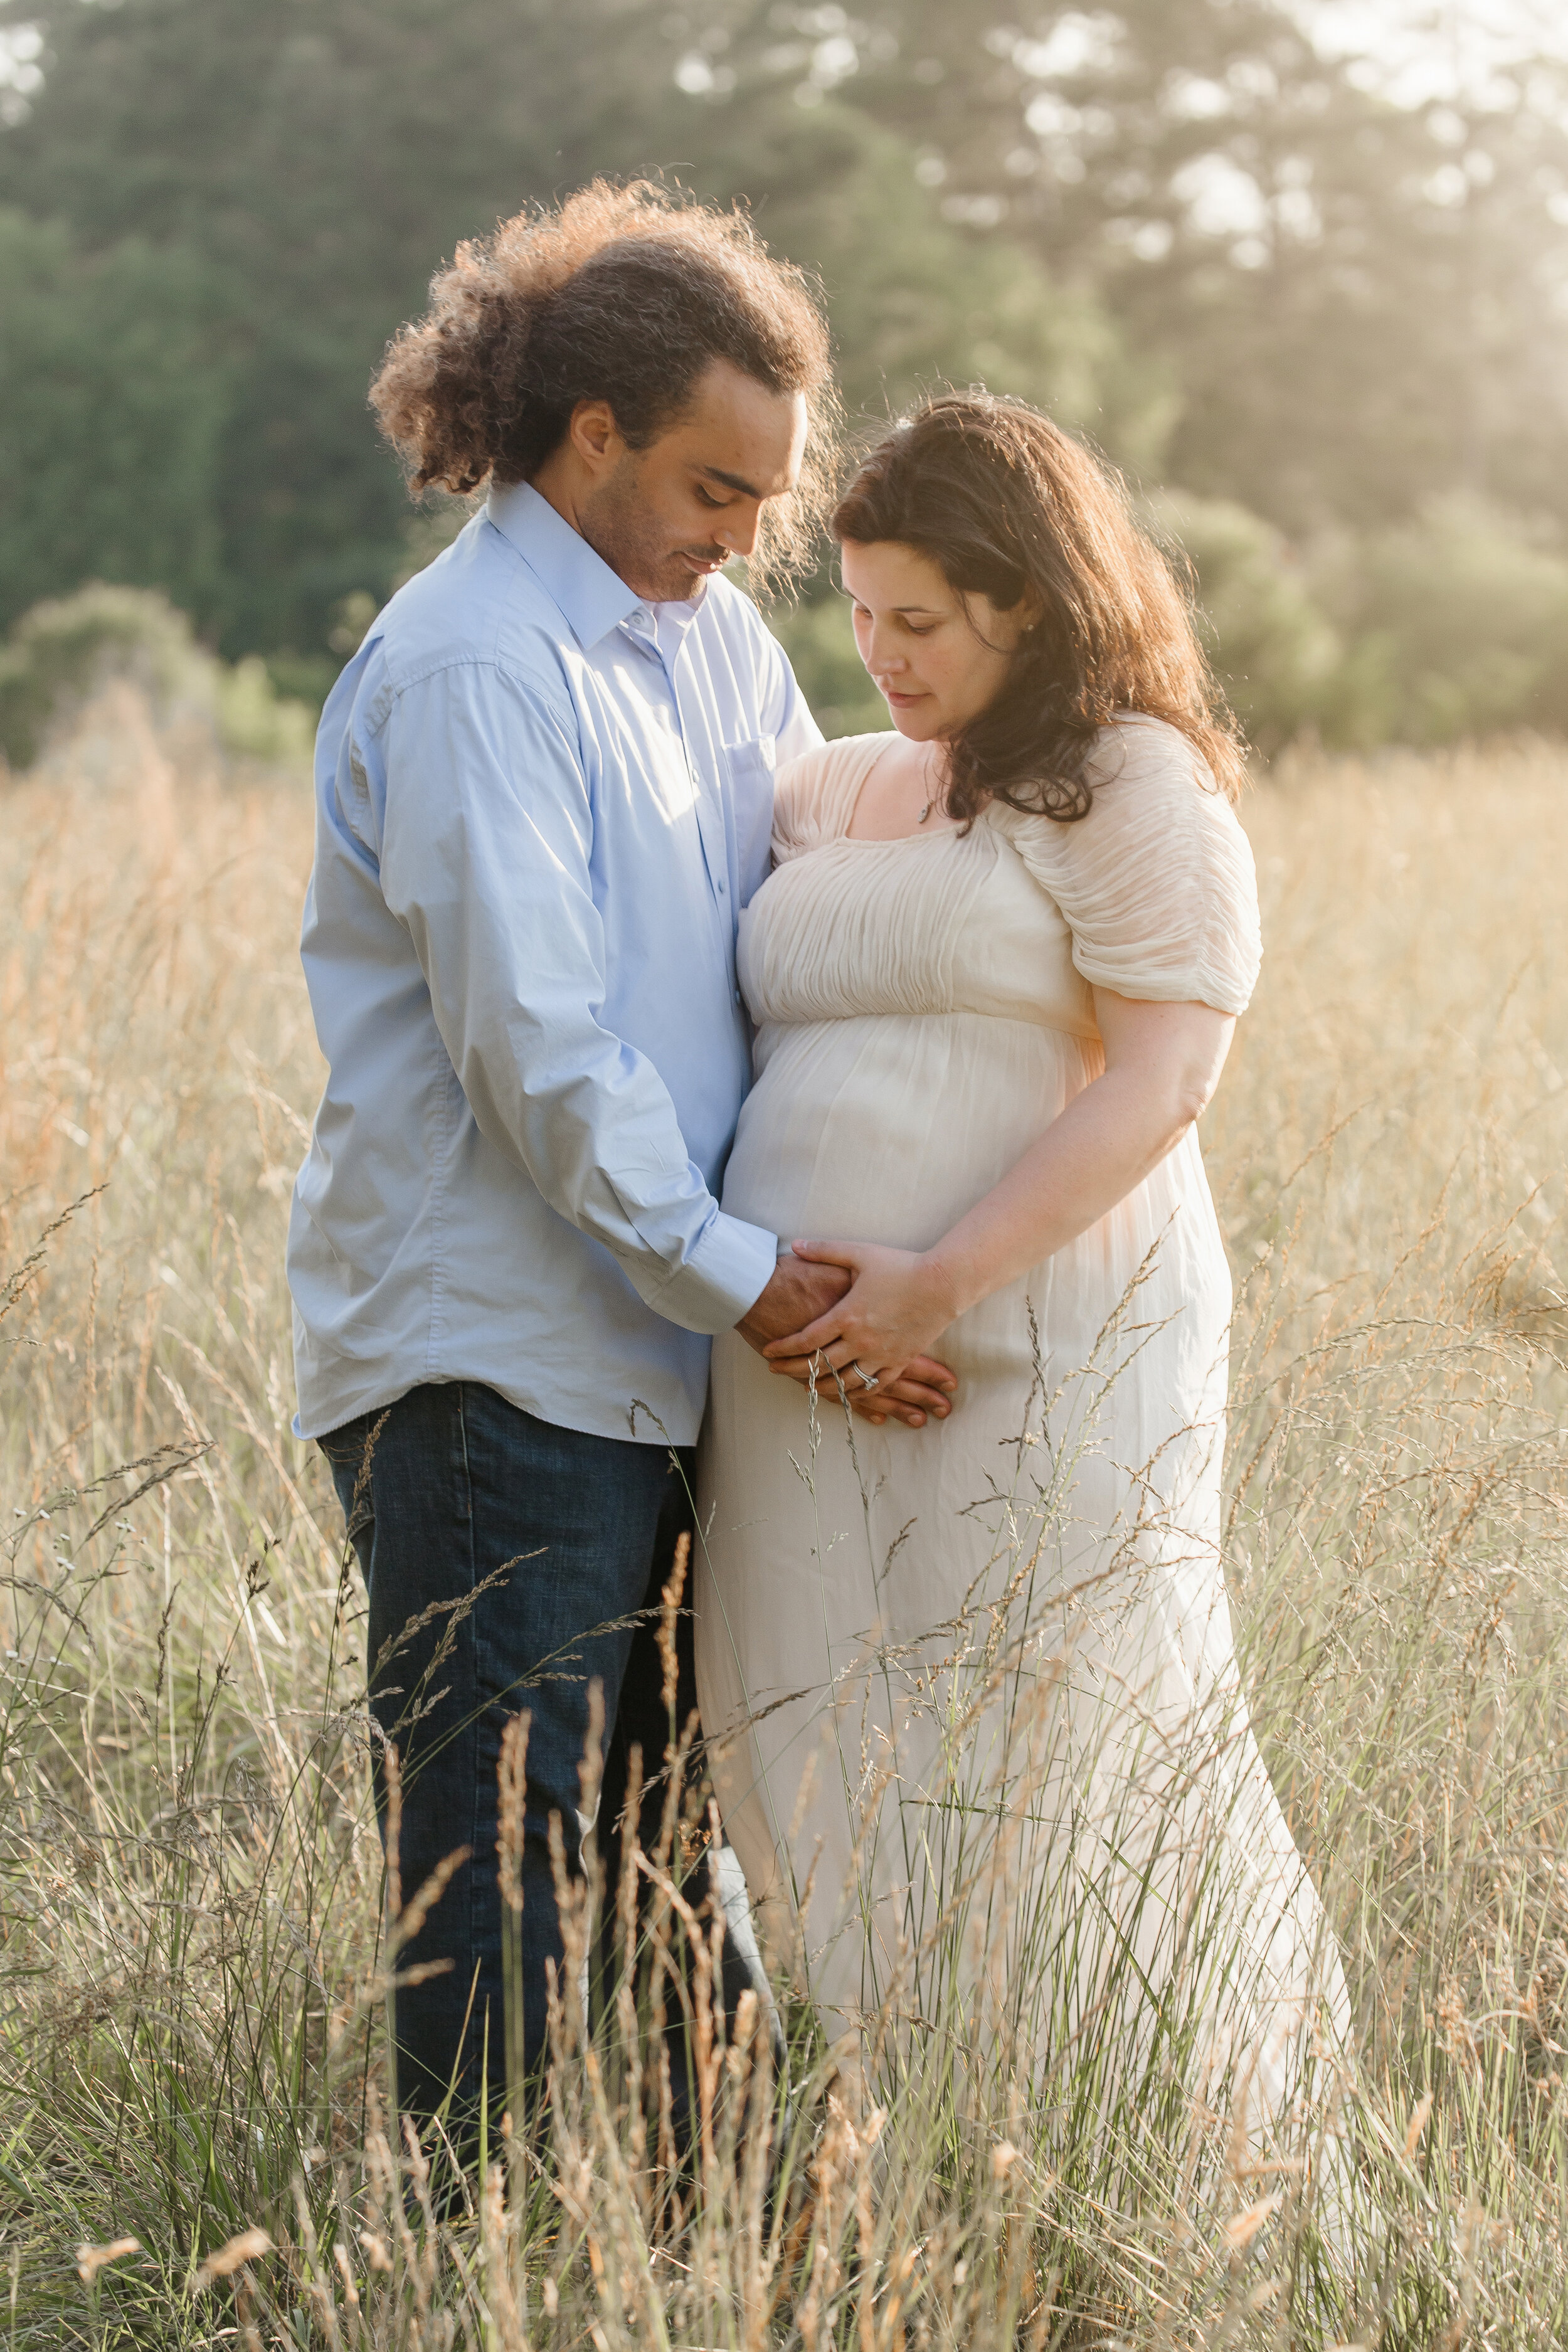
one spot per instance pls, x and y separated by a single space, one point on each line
621 294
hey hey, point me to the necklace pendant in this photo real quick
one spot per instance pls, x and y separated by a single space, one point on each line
925 812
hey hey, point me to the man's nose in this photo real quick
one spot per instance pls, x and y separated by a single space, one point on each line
739 534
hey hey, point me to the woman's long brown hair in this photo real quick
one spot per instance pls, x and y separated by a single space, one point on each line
1003 502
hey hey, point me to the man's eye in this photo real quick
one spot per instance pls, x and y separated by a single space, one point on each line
708 498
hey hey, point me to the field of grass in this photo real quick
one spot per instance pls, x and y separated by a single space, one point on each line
194 2142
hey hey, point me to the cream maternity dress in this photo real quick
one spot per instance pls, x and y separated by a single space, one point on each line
972 1690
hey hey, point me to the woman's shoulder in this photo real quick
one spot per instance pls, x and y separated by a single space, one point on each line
1145 777
1139 752
812 771
1156 881
815 792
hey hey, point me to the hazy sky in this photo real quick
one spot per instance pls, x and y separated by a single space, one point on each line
1423 50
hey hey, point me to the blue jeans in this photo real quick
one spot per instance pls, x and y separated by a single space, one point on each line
459 1484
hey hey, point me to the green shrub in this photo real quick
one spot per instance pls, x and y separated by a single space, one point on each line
1454 624
61 653
254 720
1273 649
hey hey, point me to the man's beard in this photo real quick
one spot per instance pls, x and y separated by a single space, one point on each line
622 532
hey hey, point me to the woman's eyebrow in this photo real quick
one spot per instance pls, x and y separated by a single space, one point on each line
937 611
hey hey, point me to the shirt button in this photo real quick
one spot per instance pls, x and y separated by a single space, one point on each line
723 886
737 996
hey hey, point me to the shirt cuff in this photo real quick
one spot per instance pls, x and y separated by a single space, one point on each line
730 1265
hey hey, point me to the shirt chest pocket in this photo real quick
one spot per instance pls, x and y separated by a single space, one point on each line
749 780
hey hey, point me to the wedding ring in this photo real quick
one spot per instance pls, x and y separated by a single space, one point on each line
869 1379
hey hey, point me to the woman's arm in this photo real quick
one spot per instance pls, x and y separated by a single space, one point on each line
1162 1064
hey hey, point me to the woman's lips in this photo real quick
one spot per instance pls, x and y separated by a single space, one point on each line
892 694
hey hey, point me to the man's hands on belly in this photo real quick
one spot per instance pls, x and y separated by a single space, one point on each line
797 1294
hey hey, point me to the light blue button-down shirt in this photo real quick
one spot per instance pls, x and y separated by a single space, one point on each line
540 805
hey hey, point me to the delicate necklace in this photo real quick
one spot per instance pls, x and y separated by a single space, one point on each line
929 806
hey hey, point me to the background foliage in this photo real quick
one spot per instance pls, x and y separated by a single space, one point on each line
1318 314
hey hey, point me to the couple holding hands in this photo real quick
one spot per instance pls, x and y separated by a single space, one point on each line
788 1141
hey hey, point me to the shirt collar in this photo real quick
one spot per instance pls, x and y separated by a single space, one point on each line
591 597
670 622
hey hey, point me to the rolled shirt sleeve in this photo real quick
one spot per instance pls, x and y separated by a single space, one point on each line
484 845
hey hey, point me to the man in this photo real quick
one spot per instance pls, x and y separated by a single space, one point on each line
545 794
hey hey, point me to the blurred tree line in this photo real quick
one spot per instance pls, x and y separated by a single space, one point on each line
1323 333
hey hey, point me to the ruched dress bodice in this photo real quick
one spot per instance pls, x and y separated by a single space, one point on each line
924 1009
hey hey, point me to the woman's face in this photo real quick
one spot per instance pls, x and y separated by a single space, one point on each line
938 657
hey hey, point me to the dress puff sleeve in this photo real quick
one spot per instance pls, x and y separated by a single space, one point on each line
1156 883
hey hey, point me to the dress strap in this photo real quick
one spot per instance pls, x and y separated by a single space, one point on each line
817 793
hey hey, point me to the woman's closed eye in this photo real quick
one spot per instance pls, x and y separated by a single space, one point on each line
913 628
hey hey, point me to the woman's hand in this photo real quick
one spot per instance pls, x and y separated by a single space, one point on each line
800 1291
886 1324
1162 1061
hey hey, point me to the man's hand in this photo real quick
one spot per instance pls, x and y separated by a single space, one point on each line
797 1295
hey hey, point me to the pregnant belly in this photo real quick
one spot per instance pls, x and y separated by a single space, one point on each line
888 1128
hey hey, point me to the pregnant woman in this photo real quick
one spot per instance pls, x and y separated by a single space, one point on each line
970 1689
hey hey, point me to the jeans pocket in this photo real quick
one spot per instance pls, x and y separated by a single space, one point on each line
344 1447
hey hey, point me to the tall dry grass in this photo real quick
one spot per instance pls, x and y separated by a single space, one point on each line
190 1964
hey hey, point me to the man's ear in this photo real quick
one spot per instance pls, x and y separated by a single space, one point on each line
595 437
